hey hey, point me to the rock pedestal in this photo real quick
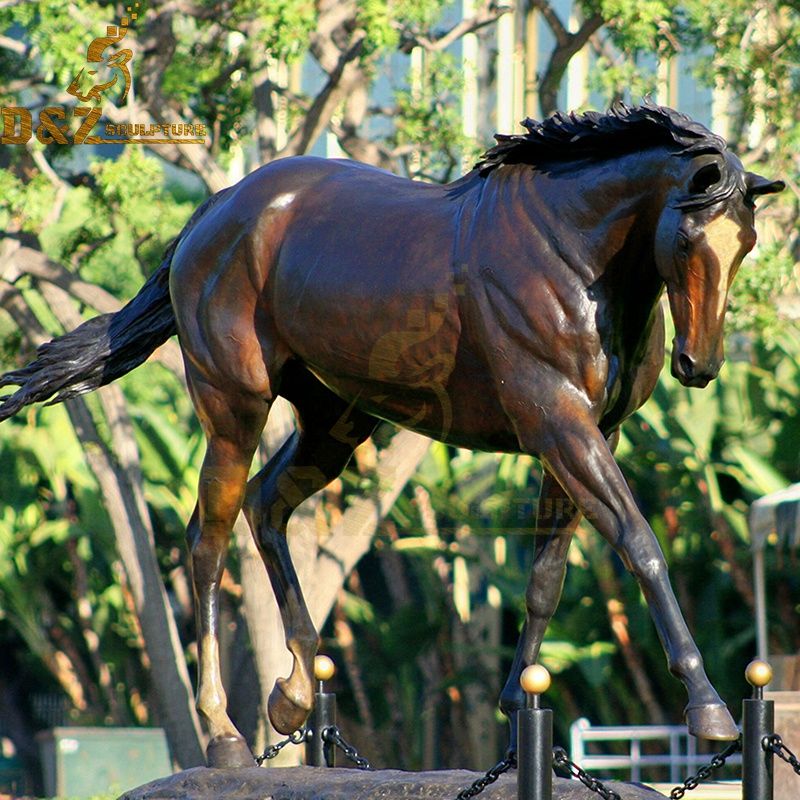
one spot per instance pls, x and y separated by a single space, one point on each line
317 783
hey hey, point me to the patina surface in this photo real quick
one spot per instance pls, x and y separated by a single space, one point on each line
516 309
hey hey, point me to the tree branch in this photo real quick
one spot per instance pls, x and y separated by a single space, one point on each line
194 156
59 184
486 15
352 537
339 83
18 260
553 21
567 45
7 43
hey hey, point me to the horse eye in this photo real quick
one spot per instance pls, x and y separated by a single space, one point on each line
683 243
705 178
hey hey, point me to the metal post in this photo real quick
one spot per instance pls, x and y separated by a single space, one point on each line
534 738
758 721
320 753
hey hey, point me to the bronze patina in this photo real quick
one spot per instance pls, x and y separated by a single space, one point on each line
516 309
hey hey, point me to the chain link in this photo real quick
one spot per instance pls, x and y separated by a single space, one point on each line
490 777
298 737
333 735
774 744
704 773
561 759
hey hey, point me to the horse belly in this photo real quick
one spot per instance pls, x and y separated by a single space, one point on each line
463 412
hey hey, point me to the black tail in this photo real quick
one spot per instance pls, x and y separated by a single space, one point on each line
104 348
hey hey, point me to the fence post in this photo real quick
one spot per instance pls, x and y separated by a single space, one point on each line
534 738
758 721
320 753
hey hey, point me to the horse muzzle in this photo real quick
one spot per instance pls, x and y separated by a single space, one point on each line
691 372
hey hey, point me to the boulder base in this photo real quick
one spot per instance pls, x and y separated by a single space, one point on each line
319 783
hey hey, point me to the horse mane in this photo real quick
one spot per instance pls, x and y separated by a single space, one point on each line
623 129
592 135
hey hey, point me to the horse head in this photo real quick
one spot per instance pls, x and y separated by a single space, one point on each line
705 230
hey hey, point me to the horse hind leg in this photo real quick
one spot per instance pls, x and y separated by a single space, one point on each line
328 432
233 423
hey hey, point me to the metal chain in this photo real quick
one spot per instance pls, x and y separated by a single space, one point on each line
704 773
775 744
561 759
333 735
490 777
298 737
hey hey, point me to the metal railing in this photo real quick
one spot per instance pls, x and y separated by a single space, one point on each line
676 755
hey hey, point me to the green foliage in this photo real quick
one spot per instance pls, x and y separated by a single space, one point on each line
754 52
119 228
203 81
376 18
638 25
285 25
59 44
761 279
429 120
38 527
25 203
624 79
384 20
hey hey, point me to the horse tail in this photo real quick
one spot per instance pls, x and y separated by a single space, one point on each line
104 348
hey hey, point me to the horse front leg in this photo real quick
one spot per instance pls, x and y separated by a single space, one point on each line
581 460
556 519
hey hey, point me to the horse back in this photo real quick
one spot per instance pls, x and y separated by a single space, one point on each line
342 266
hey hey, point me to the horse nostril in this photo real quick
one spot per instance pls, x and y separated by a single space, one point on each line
687 365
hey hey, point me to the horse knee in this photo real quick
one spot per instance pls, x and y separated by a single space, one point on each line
304 638
541 602
649 567
686 664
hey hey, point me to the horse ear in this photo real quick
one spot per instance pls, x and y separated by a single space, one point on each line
705 178
756 184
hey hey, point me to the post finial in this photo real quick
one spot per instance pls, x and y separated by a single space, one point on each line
324 668
758 673
535 679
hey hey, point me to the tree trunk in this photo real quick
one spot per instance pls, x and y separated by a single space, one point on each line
117 473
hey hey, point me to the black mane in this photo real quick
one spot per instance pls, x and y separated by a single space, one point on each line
567 137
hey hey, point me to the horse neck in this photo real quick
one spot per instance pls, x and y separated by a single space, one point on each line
600 216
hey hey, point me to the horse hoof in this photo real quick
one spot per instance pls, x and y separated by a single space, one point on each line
285 713
229 752
711 722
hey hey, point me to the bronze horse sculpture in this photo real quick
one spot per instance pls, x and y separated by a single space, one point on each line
516 309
